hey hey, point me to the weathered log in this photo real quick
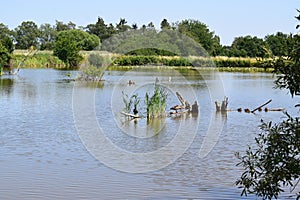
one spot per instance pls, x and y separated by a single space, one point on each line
258 108
184 106
131 115
274 109
182 101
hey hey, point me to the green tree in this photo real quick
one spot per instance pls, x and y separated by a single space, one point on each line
26 35
201 34
6 38
7 42
249 46
6 48
61 26
66 49
280 44
101 29
134 26
5 57
68 44
274 163
4 30
122 25
84 40
47 36
165 24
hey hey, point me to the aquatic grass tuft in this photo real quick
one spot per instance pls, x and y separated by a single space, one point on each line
156 104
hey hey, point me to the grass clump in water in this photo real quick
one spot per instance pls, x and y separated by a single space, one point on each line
156 104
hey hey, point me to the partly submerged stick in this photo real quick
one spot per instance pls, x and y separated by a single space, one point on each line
131 115
261 106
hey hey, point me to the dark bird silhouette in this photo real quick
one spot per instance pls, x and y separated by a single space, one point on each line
135 111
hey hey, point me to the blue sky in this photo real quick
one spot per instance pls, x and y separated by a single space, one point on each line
228 18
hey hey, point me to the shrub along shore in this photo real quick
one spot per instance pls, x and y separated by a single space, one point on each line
45 59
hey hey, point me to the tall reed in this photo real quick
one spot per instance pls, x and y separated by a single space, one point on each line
156 104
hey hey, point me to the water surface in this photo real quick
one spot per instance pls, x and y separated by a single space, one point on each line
42 156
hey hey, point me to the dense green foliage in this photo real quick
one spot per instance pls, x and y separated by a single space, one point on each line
100 29
41 59
6 47
165 42
67 50
280 44
47 36
28 34
201 34
83 40
249 47
4 56
68 44
274 163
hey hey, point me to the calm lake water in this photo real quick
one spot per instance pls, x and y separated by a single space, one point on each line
42 156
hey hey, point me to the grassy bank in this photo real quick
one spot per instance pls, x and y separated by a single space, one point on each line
45 59
39 59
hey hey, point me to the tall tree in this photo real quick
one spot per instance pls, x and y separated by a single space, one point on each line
26 35
5 57
47 36
122 25
165 24
69 43
134 26
100 29
249 46
280 44
6 36
61 26
4 30
201 34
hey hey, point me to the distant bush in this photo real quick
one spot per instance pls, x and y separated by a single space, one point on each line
99 60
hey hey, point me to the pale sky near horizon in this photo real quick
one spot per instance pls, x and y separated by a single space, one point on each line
227 18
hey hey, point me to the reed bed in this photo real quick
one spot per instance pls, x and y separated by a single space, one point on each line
44 59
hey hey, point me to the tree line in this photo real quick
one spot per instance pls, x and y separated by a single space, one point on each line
66 39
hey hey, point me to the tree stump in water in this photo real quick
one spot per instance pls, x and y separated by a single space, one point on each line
195 108
223 106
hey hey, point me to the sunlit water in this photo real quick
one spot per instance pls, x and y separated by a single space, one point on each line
42 156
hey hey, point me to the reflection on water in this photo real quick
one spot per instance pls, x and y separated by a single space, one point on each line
6 86
42 156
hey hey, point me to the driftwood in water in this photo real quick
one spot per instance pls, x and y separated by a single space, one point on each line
259 108
131 115
274 109
223 106
184 107
182 101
